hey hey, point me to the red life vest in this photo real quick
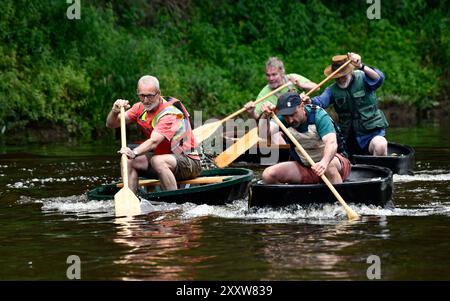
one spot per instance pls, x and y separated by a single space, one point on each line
182 142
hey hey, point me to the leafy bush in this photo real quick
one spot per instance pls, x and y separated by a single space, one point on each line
210 54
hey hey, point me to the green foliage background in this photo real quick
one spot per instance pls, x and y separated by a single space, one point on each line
57 72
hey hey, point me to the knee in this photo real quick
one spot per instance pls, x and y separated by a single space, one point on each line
334 165
333 168
158 164
269 176
380 147
129 163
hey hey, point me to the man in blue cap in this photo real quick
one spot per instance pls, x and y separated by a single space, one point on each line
315 131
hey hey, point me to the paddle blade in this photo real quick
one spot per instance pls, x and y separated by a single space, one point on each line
203 132
126 203
237 149
353 216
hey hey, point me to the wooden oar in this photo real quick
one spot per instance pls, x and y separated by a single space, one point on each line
125 201
203 132
351 214
198 180
243 146
237 149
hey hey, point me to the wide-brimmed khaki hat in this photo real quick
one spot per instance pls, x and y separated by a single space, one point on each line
336 62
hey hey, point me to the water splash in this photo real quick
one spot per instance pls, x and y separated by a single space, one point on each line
76 204
423 176
314 214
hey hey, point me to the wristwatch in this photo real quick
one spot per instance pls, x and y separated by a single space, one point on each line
136 154
362 67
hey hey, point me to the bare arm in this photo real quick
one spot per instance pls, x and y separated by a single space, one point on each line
113 118
304 85
147 146
250 108
267 108
372 74
356 61
328 154
151 143
308 86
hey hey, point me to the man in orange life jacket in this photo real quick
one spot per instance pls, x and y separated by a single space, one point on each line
169 151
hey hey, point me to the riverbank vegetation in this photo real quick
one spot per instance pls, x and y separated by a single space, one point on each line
65 74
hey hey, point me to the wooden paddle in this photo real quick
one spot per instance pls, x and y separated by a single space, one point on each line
196 181
203 132
243 146
125 201
237 149
352 215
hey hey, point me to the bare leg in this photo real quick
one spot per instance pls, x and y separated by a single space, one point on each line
285 172
164 166
332 172
288 172
139 163
378 146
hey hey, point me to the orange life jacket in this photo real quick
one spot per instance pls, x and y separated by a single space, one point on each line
182 142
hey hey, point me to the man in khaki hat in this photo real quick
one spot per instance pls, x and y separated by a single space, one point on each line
354 100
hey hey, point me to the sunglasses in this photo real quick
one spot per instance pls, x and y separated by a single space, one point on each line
149 96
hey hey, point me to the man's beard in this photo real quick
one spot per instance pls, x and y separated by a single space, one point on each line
151 106
295 124
274 85
345 84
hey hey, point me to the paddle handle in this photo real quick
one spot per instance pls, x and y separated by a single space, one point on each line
123 137
258 100
352 215
328 78
286 85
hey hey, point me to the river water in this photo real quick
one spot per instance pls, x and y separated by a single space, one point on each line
46 217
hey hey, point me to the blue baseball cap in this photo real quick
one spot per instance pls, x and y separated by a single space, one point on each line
288 102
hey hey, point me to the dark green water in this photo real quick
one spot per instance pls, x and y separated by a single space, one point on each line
45 217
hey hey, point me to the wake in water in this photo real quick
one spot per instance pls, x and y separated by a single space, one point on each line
81 206
438 175
76 204
311 214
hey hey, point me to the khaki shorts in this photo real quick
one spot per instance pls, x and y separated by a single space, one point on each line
187 168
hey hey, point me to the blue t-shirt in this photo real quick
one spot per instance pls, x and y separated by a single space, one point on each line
323 122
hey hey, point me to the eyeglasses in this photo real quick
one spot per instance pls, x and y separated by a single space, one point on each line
149 96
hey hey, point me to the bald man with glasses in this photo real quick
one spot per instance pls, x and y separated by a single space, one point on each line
169 151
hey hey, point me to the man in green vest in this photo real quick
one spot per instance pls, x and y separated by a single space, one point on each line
355 102
276 77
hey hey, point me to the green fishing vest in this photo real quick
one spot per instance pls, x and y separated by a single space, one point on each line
357 107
